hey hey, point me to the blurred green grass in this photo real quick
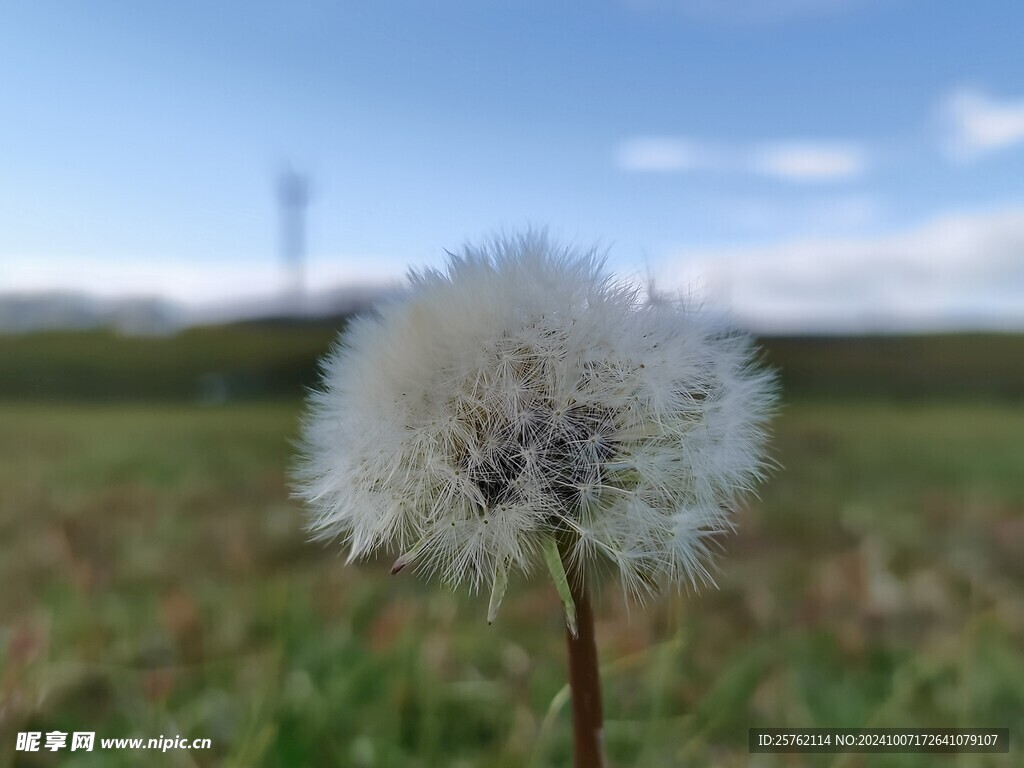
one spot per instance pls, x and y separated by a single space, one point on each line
243 361
261 360
156 581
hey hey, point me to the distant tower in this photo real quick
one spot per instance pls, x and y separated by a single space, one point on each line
293 195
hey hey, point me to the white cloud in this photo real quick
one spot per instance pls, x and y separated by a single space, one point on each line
794 161
960 270
976 124
810 161
191 283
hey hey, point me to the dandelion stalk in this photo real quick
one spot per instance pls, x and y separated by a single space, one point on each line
584 678
521 409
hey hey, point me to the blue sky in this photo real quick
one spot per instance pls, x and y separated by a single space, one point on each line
802 163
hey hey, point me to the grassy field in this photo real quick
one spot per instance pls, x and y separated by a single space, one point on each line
258 361
156 581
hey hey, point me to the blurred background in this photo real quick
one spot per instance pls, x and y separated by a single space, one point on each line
195 197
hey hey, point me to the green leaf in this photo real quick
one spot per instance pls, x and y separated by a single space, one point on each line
553 558
497 590
407 557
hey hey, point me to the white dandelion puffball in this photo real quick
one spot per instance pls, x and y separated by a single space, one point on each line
522 397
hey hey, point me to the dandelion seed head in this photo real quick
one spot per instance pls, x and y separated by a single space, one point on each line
522 394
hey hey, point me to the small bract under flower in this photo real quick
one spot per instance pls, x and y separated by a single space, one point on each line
522 397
